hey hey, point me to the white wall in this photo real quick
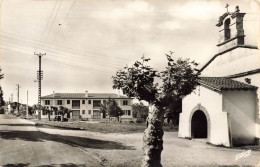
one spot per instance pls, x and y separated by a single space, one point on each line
212 102
233 62
241 106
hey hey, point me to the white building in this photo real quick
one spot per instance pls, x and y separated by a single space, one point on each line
221 110
86 105
225 107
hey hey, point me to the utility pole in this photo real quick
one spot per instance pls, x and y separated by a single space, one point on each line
18 87
27 106
39 78
11 97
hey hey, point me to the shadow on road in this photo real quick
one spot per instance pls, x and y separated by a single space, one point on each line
17 124
52 165
64 165
36 136
16 165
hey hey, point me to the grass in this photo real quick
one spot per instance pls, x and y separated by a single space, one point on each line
106 127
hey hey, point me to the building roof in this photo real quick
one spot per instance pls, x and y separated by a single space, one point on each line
223 83
82 96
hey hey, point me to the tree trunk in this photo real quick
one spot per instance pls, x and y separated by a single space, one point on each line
153 138
49 116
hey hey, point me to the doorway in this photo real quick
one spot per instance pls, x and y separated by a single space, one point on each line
199 125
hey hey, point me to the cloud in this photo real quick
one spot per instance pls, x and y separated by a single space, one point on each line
200 10
170 25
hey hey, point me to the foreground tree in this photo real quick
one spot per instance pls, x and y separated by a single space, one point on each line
178 79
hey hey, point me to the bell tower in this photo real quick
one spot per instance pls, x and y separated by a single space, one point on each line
231 33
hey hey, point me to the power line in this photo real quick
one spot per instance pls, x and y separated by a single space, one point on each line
60 62
103 64
65 19
67 48
53 20
47 22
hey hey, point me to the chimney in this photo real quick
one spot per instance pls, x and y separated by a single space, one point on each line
53 95
86 93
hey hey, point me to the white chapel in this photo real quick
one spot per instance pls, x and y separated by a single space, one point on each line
224 108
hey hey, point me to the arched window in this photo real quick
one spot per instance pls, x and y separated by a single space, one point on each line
227 29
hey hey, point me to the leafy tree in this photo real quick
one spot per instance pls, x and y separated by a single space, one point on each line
1 75
140 110
2 102
62 111
177 80
48 111
111 107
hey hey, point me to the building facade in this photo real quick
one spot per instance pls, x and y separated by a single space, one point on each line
86 105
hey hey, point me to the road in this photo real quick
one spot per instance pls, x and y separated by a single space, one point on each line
22 144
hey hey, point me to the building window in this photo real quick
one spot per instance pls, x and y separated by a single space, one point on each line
83 101
89 101
127 112
59 102
89 112
96 103
83 111
68 101
47 102
125 102
75 104
104 102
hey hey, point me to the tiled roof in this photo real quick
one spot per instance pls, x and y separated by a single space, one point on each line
222 83
82 95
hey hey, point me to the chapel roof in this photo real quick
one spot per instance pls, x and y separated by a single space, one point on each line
223 83
82 96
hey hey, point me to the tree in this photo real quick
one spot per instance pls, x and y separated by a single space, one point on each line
140 110
1 75
2 102
111 107
177 80
62 111
48 111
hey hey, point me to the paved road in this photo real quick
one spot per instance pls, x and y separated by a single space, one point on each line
22 144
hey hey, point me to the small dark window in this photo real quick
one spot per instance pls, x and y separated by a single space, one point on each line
59 102
129 112
89 101
89 112
125 103
227 29
83 111
68 101
83 101
47 102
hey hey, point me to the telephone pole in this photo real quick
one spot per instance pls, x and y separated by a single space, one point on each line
18 87
27 106
39 78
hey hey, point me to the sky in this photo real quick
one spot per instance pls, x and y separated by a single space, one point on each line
87 41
